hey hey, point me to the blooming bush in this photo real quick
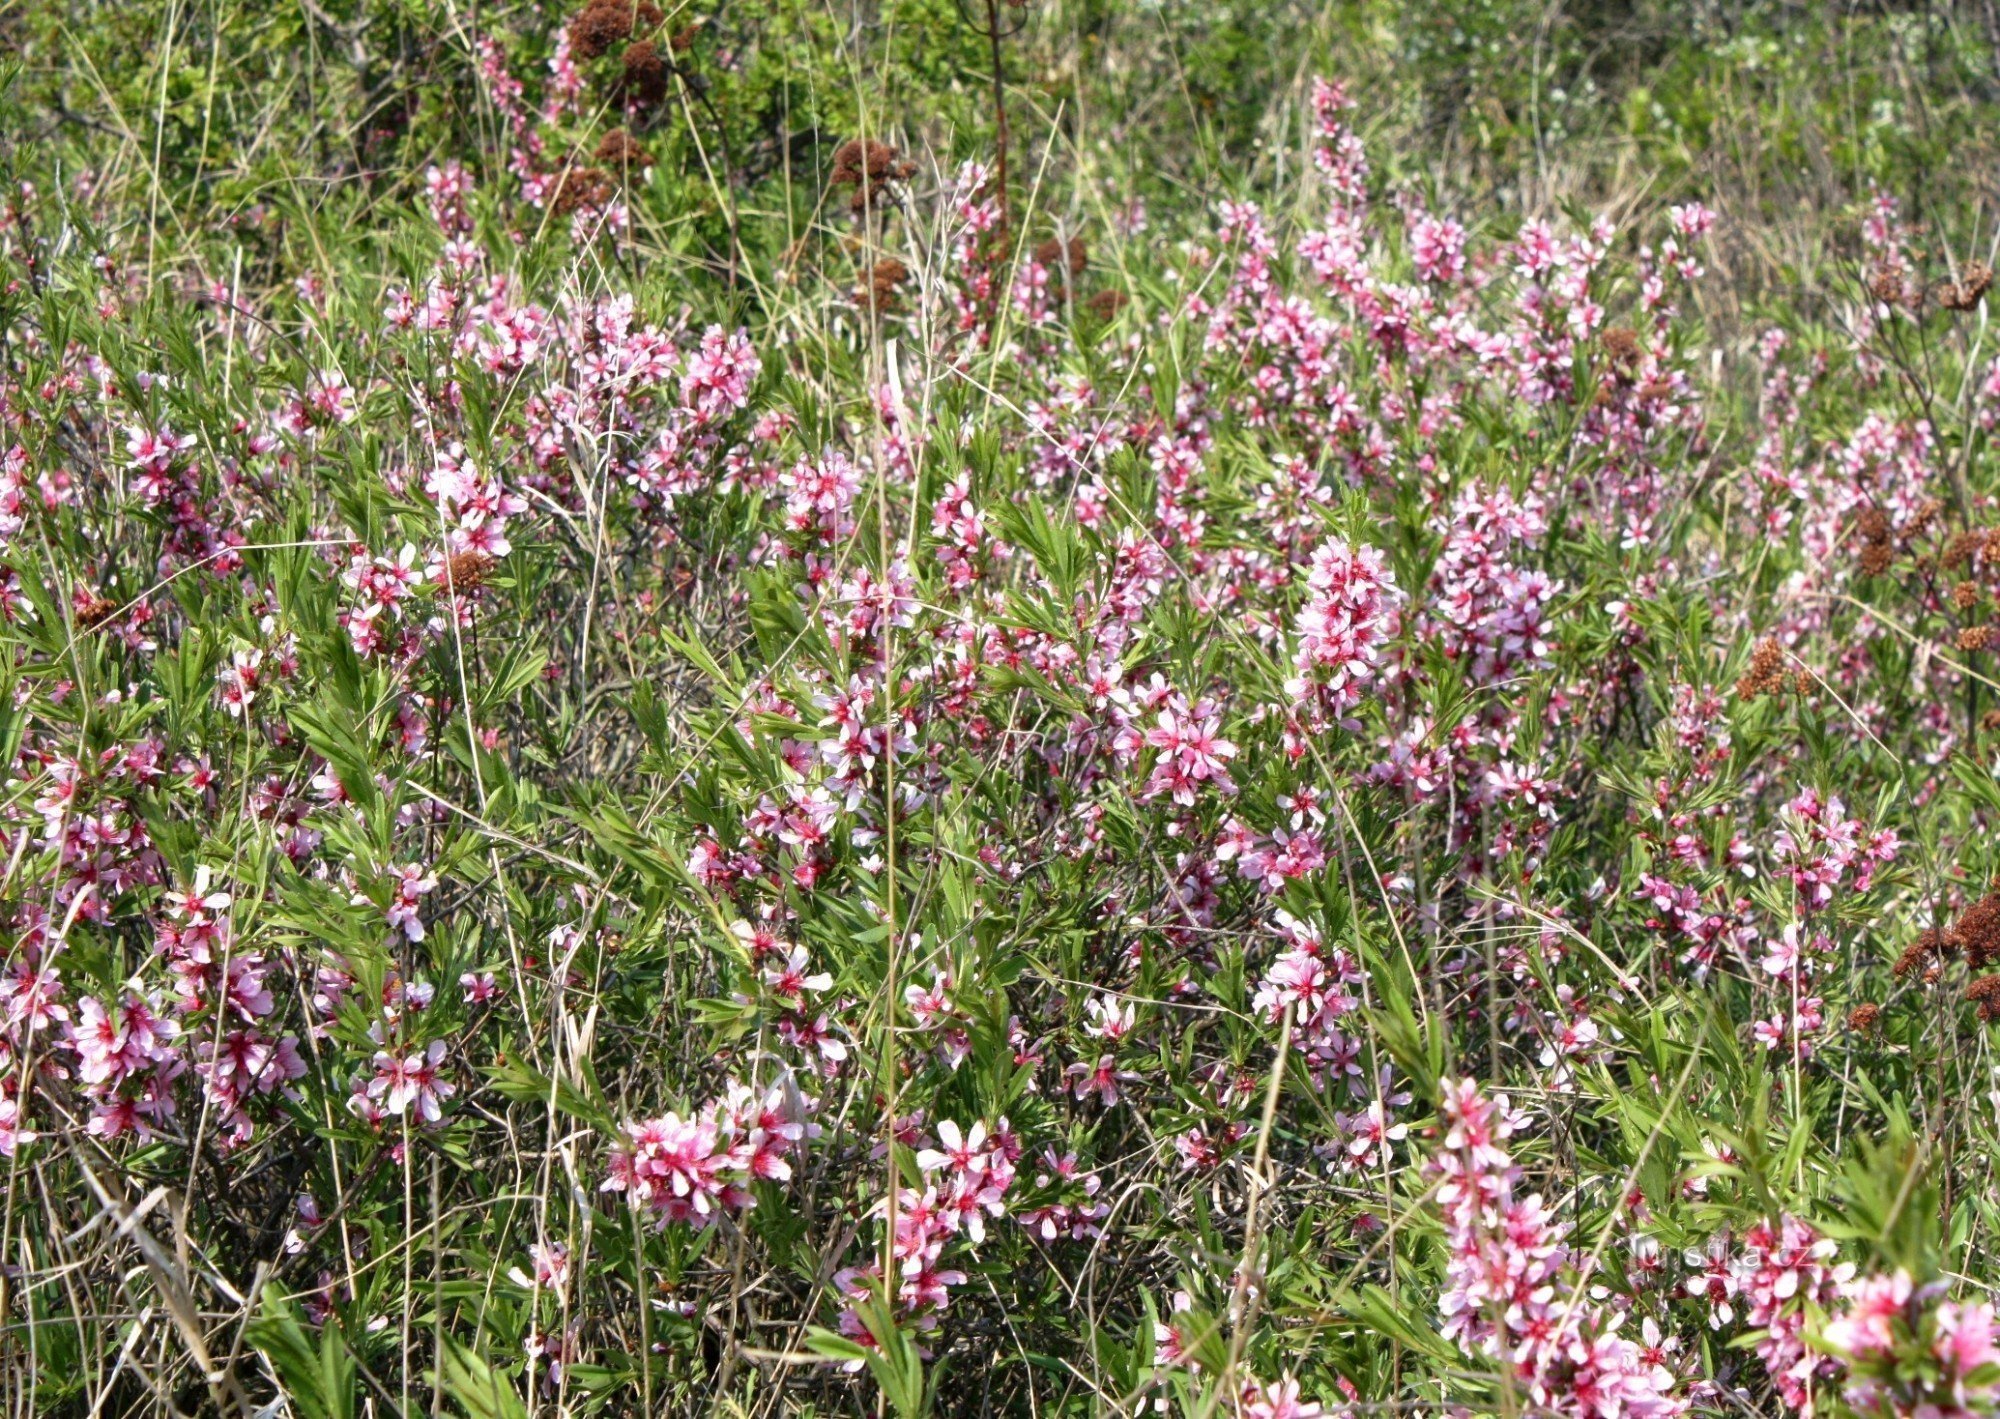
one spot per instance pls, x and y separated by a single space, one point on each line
1324 803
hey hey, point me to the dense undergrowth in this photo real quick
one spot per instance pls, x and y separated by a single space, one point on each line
1281 712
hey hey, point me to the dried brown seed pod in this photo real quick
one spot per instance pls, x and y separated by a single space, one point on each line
1962 548
879 290
620 150
1976 933
1622 347
466 572
644 82
1921 520
92 610
1929 943
1766 674
603 23
1059 256
580 188
1973 283
868 167
1107 303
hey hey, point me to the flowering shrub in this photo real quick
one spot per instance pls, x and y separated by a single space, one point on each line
1321 805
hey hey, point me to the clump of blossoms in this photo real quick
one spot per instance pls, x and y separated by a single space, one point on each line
1912 1354
1513 1292
967 1174
699 1169
1342 630
1775 1275
1325 659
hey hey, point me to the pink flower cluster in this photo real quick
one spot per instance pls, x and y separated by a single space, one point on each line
1774 1275
967 1174
1512 1290
1342 630
1821 847
1321 986
1898 1350
1911 1354
697 1169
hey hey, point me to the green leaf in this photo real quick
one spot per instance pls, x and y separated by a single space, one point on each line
479 1391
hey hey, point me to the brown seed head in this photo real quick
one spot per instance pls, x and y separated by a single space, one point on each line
92 610
619 150
1962 548
602 23
1875 539
1974 282
1766 674
879 290
869 167
1863 1017
1974 637
644 83
1107 303
1929 944
1622 347
1976 933
466 572
1921 520
1059 256
580 188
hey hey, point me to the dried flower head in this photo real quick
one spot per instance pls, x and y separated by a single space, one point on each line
91 610
619 149
1767 674
1962 548
1875 538
1928 945
581 189
1622 348
869 167
1974 637
1973 283
603 23
1967 594
1976 933
879 290
1071 256
644 82
1107 303
466 572
1864 1017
